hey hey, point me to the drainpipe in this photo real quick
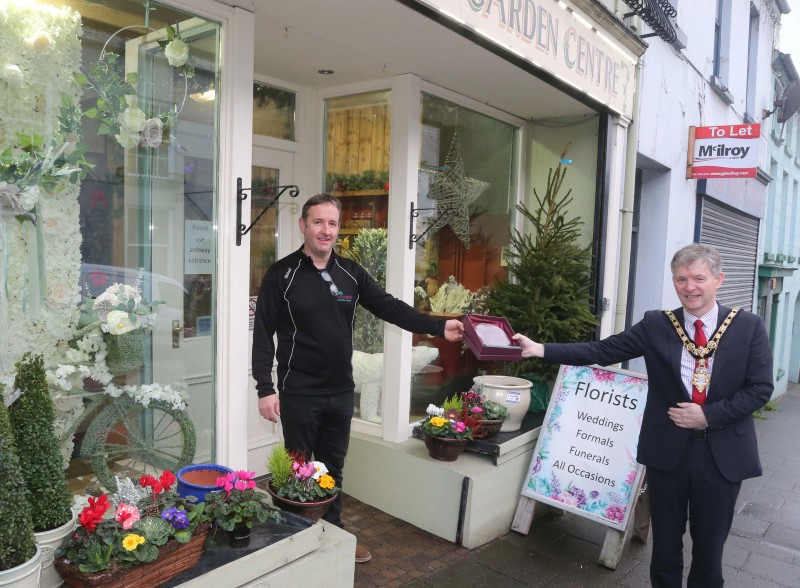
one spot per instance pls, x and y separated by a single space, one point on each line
626 230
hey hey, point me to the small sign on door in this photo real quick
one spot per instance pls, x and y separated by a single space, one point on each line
198 242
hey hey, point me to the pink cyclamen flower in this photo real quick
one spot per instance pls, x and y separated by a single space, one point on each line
477 409
127 515
245 475
221 481
241 485
251 484
306 470
459 427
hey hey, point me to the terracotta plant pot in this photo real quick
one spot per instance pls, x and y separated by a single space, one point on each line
310 510
199 479
444 449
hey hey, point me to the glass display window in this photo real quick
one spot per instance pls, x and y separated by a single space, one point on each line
357 151
466 195
119 191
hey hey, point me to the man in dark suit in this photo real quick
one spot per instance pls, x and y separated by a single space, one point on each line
698 437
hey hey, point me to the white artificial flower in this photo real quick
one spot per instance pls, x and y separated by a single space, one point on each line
29 197
320 469
434 410
177 52
53 224
152 133
119 323
128 140
40 42
11 71
59 293
131 120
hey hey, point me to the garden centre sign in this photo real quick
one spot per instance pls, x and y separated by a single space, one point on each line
585 457
723 151
556 38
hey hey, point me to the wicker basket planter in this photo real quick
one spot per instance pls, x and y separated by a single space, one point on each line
174 558
443 448
488 429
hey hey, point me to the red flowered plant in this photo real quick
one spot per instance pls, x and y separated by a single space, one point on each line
92 514
143 519
157 485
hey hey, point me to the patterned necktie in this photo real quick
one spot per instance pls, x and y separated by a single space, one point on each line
700 340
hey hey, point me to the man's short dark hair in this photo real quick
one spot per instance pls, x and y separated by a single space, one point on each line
686 256
321 199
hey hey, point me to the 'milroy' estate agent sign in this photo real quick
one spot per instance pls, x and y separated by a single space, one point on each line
585 458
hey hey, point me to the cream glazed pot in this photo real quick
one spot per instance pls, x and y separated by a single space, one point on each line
513 393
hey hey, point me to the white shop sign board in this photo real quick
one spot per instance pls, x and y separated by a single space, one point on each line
585 457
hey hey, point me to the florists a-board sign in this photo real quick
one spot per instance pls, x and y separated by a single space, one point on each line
585 458
723 151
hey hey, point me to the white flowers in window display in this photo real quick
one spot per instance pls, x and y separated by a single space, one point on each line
117 109
123 316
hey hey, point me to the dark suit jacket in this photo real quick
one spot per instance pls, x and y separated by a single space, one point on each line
741 383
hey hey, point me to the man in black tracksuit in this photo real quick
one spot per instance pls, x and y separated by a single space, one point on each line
309 299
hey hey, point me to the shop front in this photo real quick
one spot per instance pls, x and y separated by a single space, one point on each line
430 120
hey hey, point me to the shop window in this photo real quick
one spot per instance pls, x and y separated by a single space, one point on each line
722 17
273 112
357 172
752 62
467 194
264 234
104 102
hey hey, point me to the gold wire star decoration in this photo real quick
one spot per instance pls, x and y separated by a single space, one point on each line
454 193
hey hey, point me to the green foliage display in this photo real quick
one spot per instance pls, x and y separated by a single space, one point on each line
368 180
279 463
369 250
32 417
16 529
548 298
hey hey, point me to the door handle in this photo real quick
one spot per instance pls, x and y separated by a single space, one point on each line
177 329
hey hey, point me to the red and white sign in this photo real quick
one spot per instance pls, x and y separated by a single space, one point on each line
724 151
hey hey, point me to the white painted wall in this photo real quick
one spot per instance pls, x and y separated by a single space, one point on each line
676 94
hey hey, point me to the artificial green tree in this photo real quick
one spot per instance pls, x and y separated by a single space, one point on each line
548 295
17 544
369 250
32 417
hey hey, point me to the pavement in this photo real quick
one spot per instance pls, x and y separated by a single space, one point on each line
763 549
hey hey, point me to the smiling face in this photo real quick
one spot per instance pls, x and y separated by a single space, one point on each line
697 286
320 230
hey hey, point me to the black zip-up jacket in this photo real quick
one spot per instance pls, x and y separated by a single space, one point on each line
315 327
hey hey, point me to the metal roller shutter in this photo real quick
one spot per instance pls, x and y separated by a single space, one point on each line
735 235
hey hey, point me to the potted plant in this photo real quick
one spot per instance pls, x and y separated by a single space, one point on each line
491 414
236 503
299 485
20 557
149 536
448 428
32 417
548 298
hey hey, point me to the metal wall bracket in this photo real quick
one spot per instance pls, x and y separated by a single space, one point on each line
242 229
413 237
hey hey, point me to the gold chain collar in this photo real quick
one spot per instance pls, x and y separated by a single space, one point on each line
712 345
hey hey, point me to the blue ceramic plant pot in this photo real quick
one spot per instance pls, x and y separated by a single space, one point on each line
197 480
